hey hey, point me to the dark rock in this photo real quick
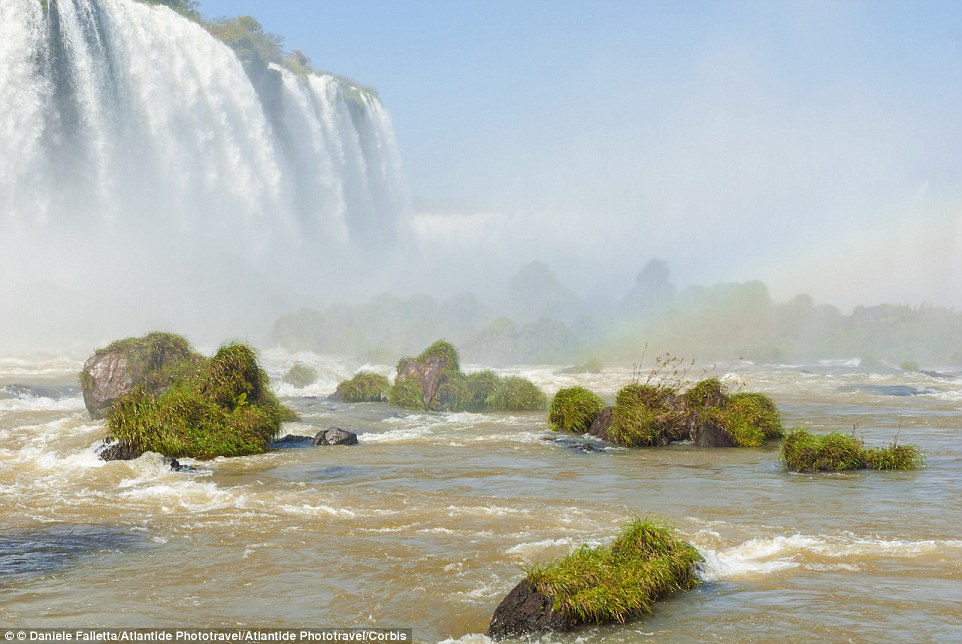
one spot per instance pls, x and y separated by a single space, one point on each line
585 447
710 434
115 450
176 466
293 440
335 436
525 610
601 424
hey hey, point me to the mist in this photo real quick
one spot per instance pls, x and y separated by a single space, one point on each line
153 177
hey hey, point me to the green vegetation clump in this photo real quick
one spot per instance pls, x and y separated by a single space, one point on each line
365 386
706 393
647 562
759 411
837 452
444 352
643 415
513 393
480 388
894 457
573 409
300 375
406 393
909 365
743 431
223 408
438 366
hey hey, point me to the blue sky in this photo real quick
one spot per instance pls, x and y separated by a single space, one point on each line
809 144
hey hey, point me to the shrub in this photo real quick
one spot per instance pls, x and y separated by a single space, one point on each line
514 393
645 563
224 408
300 375
365 386
573 409
643 415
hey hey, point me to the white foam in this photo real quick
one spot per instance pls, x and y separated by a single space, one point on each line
768 555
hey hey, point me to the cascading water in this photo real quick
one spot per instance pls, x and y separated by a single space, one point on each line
135 151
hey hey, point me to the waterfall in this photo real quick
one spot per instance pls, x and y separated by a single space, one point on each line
115 113
135 148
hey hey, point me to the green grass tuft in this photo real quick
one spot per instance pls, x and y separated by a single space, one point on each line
894 457
407 394
573 409
514 393
479 389
224 407
365 386
706 393
300 375
759 411
643 415
645 563
834 452
445 352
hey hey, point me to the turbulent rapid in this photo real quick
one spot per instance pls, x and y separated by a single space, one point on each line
427 522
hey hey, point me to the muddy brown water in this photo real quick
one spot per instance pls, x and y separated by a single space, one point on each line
426 523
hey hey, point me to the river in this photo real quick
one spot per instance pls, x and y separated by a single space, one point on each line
427 522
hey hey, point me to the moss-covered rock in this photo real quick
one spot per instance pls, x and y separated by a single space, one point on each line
434 381
365 386
300 375
606 584
223 407
573 409
151 362
804 451
437 364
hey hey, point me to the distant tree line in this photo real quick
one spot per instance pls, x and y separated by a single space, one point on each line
728 321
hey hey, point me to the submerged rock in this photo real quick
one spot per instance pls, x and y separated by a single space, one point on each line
41 391
292 440
601 424
525 610
335 436
114 450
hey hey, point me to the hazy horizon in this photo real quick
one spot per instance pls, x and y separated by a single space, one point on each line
813 146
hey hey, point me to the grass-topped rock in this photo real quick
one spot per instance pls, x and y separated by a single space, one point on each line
574 409
434 381
804 451
221 406
151 362
300 375
365 386
644 415
653 413
606 584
